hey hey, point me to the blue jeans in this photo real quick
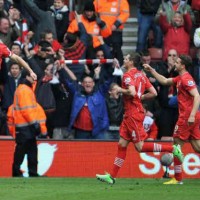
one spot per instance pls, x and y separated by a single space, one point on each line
146 23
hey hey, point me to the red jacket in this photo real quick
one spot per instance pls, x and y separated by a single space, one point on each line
176 37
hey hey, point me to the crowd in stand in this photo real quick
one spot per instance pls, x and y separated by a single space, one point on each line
80 101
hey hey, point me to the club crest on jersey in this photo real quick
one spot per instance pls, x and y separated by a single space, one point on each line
190 83
127 80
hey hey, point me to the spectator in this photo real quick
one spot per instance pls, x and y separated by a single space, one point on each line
94 26
12 80
44 56
29 119
147 11
75 48
171 6
16 49
89 113
176 33
115 13
5 53
102 52
64 98
8 31
168 113
3 12
146 59
115 108
43 20
60 12
47 35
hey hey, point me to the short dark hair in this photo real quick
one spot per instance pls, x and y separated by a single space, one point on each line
44 44
11 63
186 60
145 52
137 60
85 76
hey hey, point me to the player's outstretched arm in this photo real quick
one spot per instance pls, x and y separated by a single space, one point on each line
161 79
23 64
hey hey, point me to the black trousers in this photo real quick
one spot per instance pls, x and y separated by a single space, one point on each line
116 42
29 147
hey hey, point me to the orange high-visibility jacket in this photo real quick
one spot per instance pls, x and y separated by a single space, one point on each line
92 28
10 121
25 109
111 11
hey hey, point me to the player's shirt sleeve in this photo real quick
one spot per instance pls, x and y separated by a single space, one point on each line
188 83
5 52
175 79
127 80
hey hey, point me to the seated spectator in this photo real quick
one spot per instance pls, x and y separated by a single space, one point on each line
60 12
115 108
176 33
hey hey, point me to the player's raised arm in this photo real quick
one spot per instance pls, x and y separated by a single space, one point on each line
161 79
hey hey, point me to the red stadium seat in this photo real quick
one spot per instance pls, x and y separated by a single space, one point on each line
156 54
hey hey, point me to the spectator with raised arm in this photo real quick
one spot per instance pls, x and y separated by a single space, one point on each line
176 33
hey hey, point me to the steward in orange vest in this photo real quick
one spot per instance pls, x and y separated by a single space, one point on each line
115 13
29 121
94 26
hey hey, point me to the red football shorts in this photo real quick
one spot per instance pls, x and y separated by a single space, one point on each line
186 132
132 130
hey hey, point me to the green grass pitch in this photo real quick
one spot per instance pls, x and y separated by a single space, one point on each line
91 189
